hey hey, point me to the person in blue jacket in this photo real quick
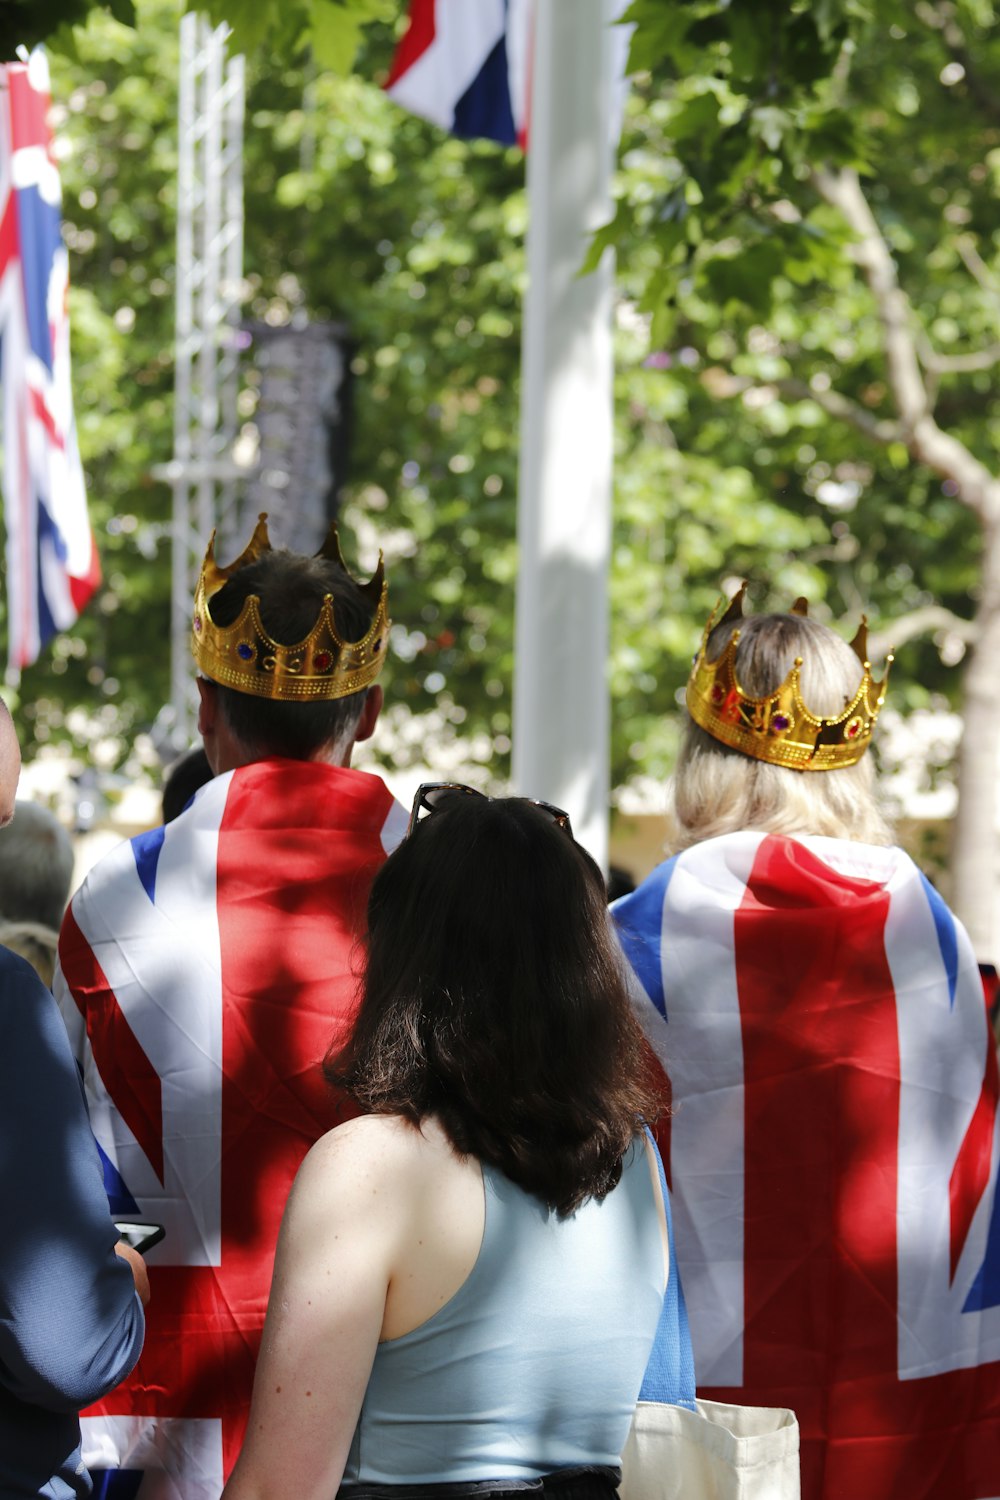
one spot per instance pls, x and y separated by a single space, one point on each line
71 1318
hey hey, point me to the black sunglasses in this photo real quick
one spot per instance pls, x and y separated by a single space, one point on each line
433 794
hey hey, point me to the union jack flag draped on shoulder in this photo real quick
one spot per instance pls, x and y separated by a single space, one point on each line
52 565
834 1151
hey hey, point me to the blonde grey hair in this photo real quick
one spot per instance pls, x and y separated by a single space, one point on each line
718 790
35 942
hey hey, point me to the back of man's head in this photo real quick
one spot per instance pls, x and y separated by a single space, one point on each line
291 588
36 866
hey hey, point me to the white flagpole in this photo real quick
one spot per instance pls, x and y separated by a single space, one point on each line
561 717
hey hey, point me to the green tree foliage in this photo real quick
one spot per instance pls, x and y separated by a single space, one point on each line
359 212
332 29
26 23
743 320
808 207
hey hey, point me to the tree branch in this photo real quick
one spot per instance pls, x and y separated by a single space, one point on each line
976 266
880 430
958 364
843 191
928 619
927 442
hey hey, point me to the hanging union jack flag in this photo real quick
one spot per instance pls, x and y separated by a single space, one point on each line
466 65
52 565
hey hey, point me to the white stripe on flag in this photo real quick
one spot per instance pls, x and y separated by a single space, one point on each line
187 1446
134 943
464 37
705 1040
942 1055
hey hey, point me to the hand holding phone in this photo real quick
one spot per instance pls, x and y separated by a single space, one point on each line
141 1237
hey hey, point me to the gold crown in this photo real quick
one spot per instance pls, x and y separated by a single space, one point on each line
322 666
779 728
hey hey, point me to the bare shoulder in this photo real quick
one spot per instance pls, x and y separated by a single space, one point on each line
368 1155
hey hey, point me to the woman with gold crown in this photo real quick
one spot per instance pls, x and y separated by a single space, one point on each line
834 1142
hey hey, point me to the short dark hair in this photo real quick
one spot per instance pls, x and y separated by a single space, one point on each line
187 774
291 588
494 997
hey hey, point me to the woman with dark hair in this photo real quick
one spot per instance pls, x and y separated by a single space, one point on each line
469 1277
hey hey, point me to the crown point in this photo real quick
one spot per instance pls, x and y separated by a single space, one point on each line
734 609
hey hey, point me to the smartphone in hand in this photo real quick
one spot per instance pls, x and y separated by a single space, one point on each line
141 1237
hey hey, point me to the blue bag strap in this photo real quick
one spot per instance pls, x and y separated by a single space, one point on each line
669 1374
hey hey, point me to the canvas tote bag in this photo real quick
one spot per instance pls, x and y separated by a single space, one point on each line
680 1448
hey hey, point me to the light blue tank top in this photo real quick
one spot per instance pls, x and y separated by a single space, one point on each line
536 1362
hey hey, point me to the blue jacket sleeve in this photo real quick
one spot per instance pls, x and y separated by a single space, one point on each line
71 1325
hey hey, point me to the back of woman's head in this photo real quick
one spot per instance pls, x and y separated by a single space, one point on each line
720 790
494 998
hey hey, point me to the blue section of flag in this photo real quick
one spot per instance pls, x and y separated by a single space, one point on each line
944 924
670 1372
484 110
146 850
985 1290
116 1484
636 916
120 1200
41 238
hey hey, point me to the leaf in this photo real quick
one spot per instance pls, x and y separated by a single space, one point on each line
335 34
747 277
123 11
698 117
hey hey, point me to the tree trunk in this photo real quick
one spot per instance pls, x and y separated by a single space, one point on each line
974 848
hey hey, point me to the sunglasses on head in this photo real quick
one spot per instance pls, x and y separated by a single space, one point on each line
434 794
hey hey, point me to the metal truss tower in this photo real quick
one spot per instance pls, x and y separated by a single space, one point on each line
202 473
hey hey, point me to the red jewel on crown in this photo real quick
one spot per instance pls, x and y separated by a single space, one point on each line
718 693
853 729
322 660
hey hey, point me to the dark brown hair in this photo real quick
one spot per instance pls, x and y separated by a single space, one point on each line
291 588
494 997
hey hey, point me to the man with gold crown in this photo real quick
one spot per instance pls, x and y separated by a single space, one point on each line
835 1139
206 968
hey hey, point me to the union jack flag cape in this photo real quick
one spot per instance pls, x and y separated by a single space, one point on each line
833 1153
205 969
52 565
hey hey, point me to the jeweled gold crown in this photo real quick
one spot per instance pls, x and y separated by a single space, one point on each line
322 666
779 728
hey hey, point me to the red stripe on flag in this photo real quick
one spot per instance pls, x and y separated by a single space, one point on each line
971 1173
821 1070
80 589
126 1071
44 418
29 109
9 249
417 38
